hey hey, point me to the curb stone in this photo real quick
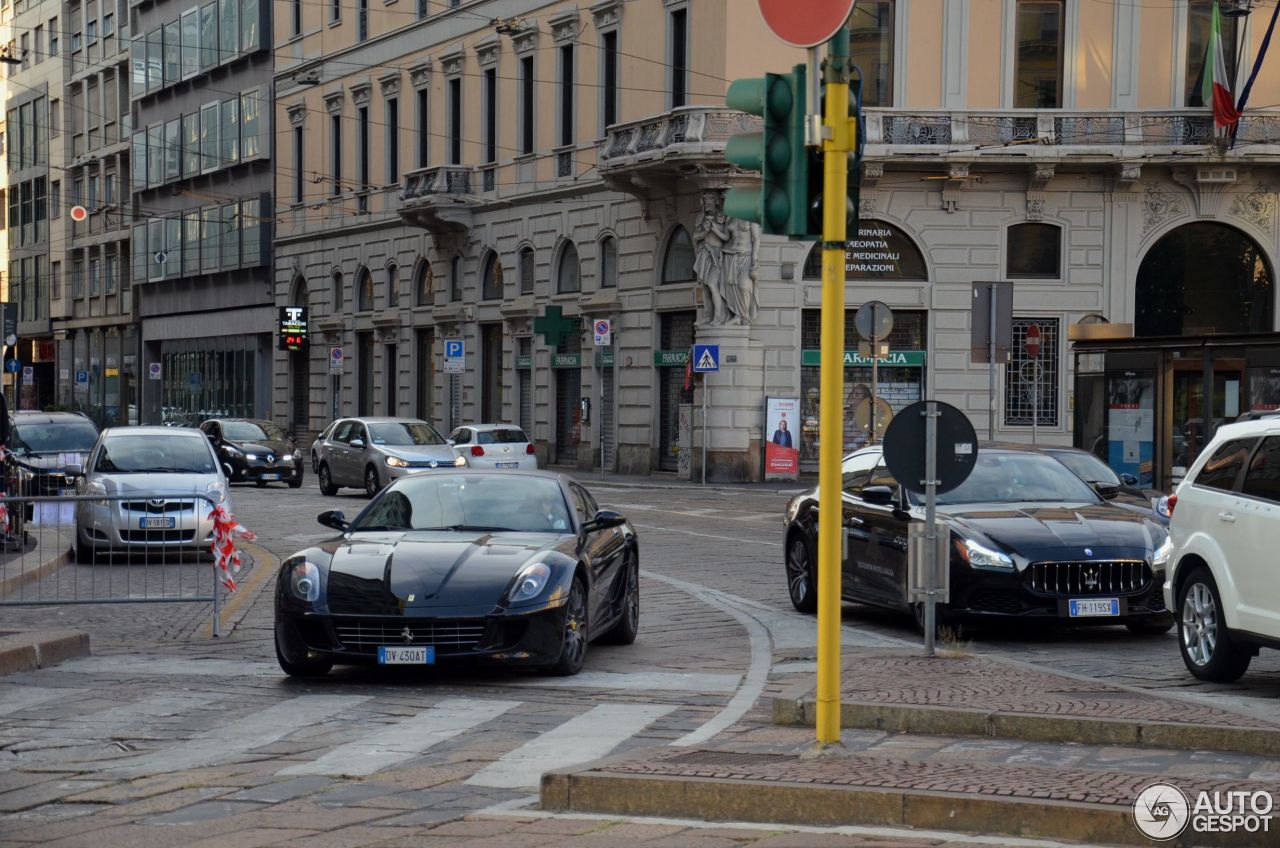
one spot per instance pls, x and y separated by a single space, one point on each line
27 651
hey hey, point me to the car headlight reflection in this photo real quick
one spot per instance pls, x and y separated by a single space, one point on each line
530 582
1161 557
216 493
304 581
460 462
980 556
396 462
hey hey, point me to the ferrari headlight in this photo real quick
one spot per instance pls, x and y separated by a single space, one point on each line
1161 557
304 581
980 556
530 582
396 462
460 462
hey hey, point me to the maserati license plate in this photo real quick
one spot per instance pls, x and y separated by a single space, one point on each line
1086 608
157 523
399 655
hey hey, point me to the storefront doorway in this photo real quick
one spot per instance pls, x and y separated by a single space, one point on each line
675 343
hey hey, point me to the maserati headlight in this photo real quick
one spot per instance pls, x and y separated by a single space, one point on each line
530 582
1161 557
460 462
304 581
396 462
980 556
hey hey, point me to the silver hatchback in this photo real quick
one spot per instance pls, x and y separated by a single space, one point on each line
369 453
158 485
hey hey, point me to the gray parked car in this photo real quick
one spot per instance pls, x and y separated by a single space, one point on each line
369 453
175 475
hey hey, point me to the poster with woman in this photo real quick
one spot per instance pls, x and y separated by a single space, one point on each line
781 450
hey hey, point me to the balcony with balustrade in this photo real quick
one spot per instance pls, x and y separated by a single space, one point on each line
439 198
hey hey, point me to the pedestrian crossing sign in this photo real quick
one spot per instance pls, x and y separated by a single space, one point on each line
706 358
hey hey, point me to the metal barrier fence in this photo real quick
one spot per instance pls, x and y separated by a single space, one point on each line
139 547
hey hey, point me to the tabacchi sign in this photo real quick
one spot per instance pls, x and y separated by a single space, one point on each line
1163 811
293 328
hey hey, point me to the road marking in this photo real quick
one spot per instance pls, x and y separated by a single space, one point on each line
580 739
405 739
708 535
162 666
235 739
646 680
23 697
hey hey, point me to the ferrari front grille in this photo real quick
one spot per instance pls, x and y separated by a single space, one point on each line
452 635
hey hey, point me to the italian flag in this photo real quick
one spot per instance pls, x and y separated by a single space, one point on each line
1216 88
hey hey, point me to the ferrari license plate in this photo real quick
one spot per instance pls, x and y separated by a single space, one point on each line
398 655
1094 607
270 475
506 465
157 523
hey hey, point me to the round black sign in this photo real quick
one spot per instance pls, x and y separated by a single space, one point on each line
904 446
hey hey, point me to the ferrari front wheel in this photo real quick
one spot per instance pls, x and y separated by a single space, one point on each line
573 648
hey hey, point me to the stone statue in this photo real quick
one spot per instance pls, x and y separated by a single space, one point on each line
711 233
741 256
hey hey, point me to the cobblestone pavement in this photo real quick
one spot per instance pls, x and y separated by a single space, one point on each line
165 737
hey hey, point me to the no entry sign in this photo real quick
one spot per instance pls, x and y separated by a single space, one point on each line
1033 340
805 23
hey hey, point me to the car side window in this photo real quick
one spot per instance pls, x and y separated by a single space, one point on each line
580 504
358 432
341 431
855 470
461 436
587 501
1223 468
1262 480
882 477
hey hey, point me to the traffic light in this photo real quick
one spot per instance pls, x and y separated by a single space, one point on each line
778 153
814 191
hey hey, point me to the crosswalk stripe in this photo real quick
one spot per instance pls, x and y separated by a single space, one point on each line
405 739
23 697
656 681
228 741
580 739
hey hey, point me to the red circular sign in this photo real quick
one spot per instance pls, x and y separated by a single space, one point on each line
805 23
1033 340
79 213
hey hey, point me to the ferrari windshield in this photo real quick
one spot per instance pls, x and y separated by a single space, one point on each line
403 434
469 503
251 431
1016 477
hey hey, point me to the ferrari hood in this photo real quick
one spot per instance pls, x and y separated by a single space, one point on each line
394 572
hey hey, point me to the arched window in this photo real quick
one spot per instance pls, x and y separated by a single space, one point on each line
299 295
337 291
526 270
568 275
364 290
1204 278
455 278
492 279
880 251
677 263
608 263
1034 252
423 284
393 285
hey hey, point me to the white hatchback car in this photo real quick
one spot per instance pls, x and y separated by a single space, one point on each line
1223 577
494 446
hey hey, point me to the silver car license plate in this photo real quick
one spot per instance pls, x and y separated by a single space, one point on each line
157 523
1086 608
506 465
399 655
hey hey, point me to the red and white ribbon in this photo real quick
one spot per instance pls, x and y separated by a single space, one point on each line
4 475
226 557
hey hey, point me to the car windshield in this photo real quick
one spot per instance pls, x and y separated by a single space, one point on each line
154 453
468 503
1087 467
501 437
247 431
61 437
1017 478
403 433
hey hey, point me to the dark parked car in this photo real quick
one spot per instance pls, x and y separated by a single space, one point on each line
257 451
462 566
41 446
1029 541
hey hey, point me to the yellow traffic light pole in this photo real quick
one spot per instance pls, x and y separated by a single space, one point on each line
838 140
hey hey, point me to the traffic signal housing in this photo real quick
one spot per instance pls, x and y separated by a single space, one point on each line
814 189
779 206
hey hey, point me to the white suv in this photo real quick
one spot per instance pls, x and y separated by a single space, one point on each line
1223 577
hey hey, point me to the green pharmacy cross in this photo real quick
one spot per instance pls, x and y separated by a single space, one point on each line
553 326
